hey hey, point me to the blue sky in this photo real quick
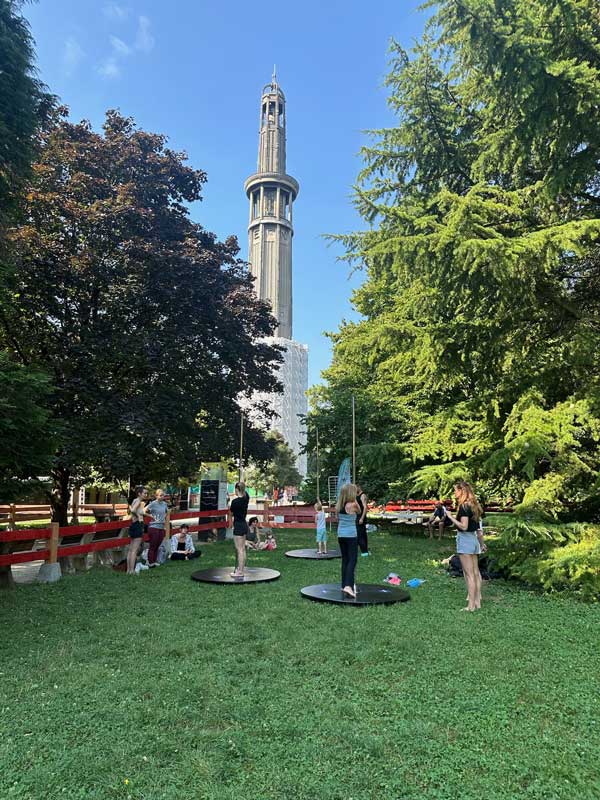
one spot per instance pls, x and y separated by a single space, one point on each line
194 70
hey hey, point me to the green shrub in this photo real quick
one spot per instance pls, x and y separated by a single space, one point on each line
574 568
555 557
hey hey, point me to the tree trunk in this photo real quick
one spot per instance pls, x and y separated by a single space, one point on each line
135 479
60 495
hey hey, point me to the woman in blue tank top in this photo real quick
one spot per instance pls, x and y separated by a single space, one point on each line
348 509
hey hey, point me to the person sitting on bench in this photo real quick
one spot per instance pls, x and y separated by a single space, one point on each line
182 545
441 518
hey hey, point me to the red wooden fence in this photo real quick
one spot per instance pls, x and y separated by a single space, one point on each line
298 516
53 543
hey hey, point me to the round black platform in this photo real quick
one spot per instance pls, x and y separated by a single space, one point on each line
223 575
308 553
368 594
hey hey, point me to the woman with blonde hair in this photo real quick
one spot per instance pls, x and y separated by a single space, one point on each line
348 510
469 540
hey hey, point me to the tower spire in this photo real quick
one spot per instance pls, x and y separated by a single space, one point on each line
272 192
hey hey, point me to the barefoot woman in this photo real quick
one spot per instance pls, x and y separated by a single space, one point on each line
239 510
348 510
469 541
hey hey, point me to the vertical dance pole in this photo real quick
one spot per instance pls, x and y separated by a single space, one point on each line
318 492
242 448
353 442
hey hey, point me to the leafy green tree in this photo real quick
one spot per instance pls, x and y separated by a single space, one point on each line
479 321
278 471
148 325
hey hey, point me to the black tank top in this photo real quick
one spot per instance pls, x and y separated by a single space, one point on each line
361 505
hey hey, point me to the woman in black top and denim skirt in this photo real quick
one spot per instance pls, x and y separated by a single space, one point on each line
239 511
469 541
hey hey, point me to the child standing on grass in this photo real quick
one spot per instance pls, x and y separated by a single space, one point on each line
321 529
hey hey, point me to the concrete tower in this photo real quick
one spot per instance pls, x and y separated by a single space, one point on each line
272 192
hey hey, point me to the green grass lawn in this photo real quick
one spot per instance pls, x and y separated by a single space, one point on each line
160 688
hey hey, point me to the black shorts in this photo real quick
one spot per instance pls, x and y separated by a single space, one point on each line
136 530
240 527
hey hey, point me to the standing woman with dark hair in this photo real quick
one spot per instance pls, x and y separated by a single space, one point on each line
239 510
136 527
469 540
361 521
348 510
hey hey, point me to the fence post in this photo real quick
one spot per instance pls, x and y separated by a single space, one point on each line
50 571
266 504
12 519
54 543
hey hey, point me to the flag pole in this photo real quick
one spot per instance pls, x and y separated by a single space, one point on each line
242 448
353 441
318 491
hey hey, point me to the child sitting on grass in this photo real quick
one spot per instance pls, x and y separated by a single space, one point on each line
271 543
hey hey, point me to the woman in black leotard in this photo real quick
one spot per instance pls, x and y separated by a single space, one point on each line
239 511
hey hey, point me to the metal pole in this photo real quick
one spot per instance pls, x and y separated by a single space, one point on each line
318 491
242 448
353 442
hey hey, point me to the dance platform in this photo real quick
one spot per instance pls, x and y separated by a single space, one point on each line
309 553
223 575
368 594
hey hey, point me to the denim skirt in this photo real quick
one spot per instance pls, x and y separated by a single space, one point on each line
467 543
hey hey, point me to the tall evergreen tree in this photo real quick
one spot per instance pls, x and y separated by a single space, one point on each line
23 102
484 204
25 431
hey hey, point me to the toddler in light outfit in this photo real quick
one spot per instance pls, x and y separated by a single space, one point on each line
321 529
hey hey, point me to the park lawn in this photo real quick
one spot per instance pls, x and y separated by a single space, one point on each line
160 688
